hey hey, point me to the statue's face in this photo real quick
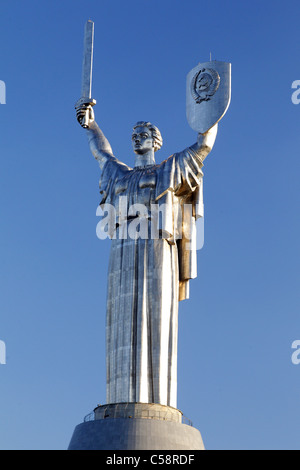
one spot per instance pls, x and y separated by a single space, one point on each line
142 140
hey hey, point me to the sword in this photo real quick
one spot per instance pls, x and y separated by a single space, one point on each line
87 71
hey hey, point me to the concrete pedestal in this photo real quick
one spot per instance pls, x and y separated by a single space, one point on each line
136 426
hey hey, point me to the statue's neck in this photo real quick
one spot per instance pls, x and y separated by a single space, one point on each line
144 160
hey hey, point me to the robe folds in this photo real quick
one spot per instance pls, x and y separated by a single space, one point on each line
152 259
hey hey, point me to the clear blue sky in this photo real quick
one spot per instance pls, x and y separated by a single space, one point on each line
236 381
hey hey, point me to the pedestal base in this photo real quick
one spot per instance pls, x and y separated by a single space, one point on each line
136 433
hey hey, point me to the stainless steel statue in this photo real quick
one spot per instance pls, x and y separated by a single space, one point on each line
147 276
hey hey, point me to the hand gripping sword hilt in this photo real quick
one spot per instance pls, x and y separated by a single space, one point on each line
87 102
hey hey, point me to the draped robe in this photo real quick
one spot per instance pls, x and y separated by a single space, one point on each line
148 275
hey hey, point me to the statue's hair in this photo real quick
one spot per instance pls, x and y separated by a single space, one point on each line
156 135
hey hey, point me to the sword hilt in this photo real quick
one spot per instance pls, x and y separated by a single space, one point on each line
86 102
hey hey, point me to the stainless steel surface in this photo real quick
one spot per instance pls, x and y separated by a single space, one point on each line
87 64
208 94
147 276
87 70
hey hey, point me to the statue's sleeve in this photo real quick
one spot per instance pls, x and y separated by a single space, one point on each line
112 171
181 174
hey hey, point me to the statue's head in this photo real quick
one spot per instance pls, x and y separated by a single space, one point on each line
145 137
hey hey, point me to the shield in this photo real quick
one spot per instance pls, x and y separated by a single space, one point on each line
208 94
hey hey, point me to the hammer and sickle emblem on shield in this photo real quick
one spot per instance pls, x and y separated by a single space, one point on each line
205 84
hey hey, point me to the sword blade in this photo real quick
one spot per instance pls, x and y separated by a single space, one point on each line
87 64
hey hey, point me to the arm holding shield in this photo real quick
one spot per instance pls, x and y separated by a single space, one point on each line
205 142
208 94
